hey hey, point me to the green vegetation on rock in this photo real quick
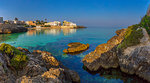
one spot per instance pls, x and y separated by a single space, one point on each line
132 36
18 61
145 23
18 58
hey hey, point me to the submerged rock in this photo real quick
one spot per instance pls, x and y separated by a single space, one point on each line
41 67
76 48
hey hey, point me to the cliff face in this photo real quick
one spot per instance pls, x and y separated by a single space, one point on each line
129 50
37 67
136 59
11 28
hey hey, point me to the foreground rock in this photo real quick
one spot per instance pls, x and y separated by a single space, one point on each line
11 28
76 48
38 67
105 54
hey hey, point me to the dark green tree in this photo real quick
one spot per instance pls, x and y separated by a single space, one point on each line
16 19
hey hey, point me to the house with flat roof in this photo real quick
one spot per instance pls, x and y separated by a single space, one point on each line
55 23
30 23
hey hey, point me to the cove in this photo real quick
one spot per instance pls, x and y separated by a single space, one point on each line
56 40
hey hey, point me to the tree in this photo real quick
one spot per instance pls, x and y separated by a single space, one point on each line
16 19
45 20
42 22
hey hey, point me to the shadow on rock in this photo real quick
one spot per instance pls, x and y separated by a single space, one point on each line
116 74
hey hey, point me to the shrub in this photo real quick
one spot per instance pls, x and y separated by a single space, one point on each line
145 23
132 36
33 26
46 26
26 26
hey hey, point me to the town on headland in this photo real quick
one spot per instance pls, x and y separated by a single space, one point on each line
14 26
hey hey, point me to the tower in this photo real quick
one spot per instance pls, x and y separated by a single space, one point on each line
148 11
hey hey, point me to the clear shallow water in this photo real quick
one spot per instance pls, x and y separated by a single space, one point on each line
55 40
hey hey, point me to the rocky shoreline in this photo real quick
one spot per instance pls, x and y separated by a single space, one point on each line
12 28
18 65
131 56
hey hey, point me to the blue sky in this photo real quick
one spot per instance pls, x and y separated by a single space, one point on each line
115 13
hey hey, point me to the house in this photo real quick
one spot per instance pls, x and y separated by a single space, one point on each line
65 23
55 23
9 22
19 22
1 20
148 12
14 22
30 23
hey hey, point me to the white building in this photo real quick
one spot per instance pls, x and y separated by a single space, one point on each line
19 22
1 20
73 24
55 23
65 23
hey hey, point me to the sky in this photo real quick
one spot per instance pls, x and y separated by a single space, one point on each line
111 13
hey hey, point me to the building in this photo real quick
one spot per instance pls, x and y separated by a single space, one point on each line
14 22
65 23
30 23
1 20
148 12
9 22
19 22
55 23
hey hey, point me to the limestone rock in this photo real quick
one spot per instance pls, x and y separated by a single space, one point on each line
11 28
76 48
137 62
41 67
105 55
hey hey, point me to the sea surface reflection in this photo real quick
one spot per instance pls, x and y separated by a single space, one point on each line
51 31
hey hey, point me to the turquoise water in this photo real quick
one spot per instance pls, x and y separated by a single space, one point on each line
55 40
